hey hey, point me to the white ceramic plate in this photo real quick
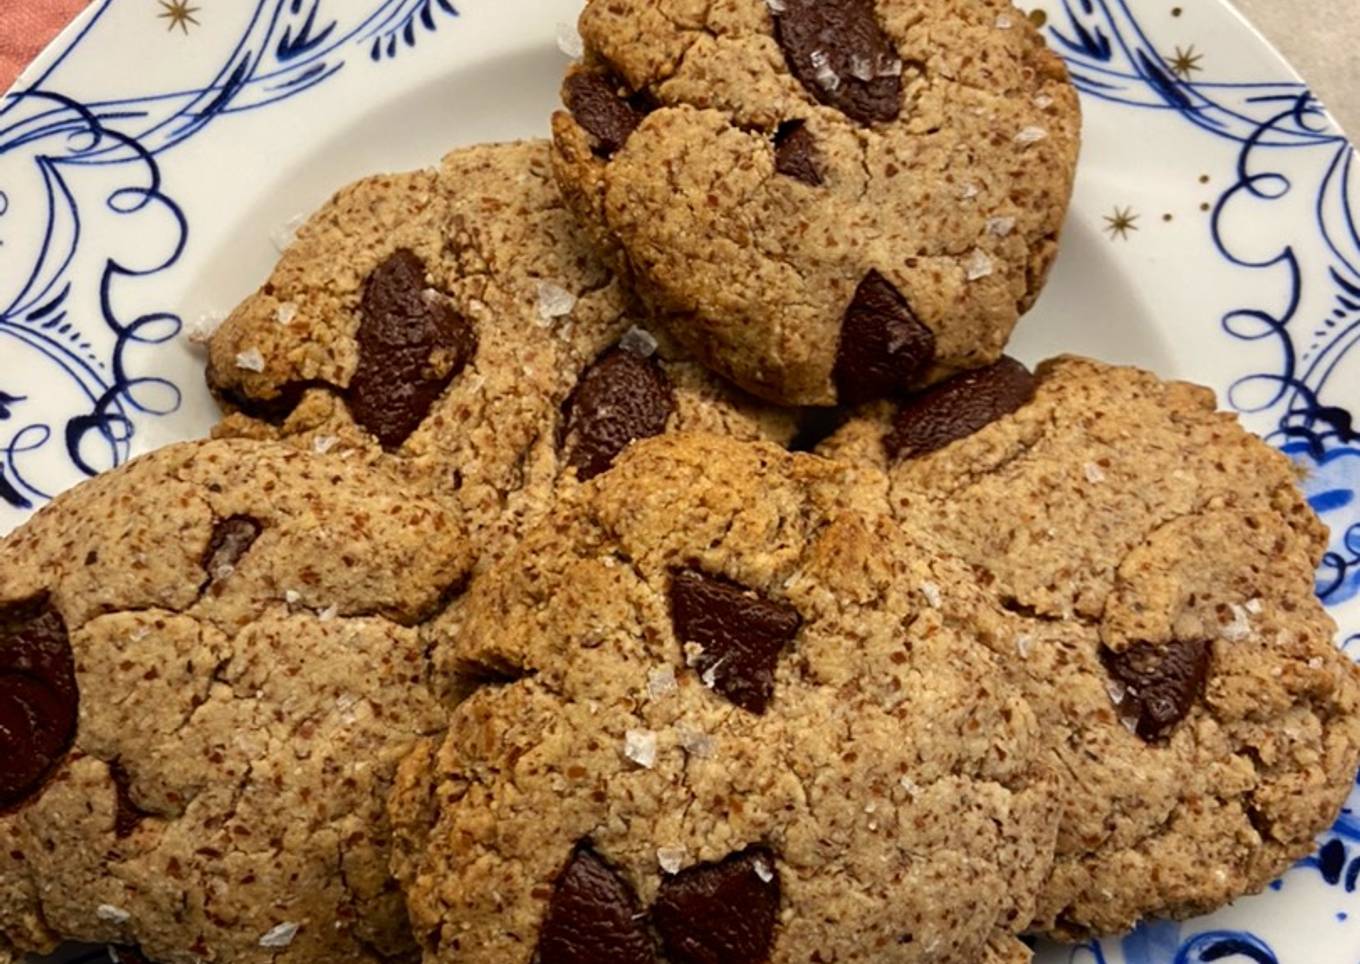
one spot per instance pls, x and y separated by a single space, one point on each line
153 159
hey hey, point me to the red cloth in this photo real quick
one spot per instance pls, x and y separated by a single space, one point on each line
26 27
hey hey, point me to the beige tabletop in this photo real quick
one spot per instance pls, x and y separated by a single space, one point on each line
1321 38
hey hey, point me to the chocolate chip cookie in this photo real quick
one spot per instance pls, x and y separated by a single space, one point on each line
828 201
712 714
1153 570
454 326
209 670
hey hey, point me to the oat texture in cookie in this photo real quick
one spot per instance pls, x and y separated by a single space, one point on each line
711 719
828 201
209 669
1153 567
454 326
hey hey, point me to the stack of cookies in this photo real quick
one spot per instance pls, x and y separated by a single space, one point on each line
636 549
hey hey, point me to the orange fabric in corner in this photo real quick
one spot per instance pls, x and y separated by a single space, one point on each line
26 27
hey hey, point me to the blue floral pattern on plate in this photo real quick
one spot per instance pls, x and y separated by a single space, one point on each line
89 160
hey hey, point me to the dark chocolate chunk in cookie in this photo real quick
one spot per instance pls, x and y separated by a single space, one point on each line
1157 685
593 917
39 702
231 539
621 398
795 153
411 344
884 347
721 913
732 635
840 54
597 104
958 407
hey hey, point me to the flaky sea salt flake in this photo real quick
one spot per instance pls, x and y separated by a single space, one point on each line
932 593
969 190
1004 21
111 914
1043 101
697 743
710 675
250 360
763 870
978 266
1023 644
1239 628
1253 606
861 67
324 443
776 6
285 313
1030 135
554 301
286 233
827 78
280 936
890 66
201 330
661 682
292 597
329 613
639 341
671 859
1000 227
640 747
569 40
1093 473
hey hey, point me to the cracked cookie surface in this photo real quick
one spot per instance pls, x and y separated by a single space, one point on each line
453 326
713 715
1153 566
825 200
238 619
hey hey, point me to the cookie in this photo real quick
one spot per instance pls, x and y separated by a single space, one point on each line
1007 950
1153 567
827 201
712 715
210 667
454 326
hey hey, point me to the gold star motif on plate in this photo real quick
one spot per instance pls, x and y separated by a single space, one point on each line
1120 223
1186 62
178 13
